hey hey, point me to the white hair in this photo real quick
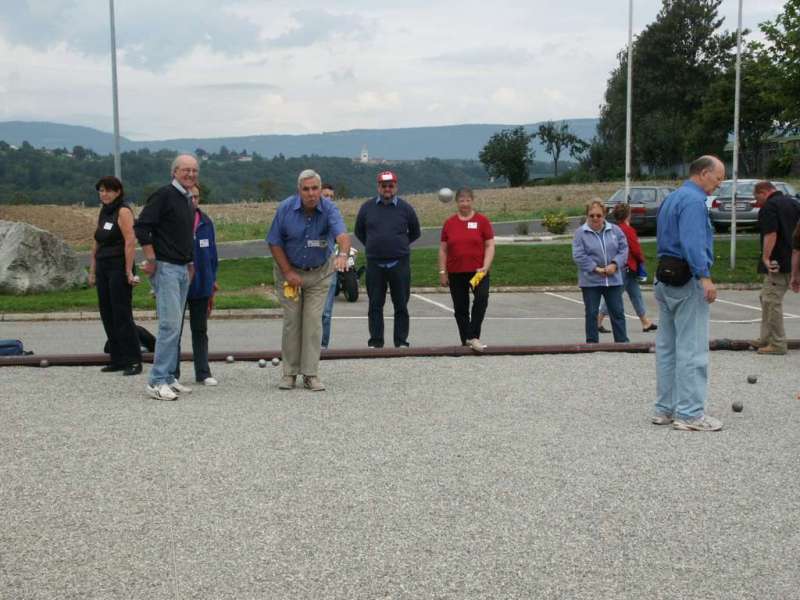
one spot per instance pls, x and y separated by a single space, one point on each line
308 174
178 158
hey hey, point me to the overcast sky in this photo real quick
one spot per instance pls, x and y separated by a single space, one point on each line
237 67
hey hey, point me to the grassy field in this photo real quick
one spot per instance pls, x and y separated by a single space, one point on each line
249 221
247 282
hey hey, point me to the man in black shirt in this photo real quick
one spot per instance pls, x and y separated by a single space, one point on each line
387 225
777 218
165 230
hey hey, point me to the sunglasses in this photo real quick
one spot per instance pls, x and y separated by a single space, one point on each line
596 215
387 184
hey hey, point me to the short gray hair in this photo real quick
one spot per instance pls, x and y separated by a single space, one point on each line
308 174
178 158
704 163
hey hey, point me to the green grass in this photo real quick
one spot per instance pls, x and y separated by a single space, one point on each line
514 265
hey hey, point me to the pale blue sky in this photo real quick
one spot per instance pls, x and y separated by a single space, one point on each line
214 68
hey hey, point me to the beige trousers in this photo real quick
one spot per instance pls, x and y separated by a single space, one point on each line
302 320
772 331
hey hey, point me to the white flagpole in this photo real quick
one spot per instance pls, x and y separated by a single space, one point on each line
736 134
117 162
628 108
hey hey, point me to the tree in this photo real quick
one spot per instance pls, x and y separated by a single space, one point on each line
676 60
267 190
507 154
557 139
784 52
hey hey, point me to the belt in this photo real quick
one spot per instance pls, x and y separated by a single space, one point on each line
310 268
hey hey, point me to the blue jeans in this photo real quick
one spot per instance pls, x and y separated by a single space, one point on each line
171 283
591 305
682 350
327 312
631 284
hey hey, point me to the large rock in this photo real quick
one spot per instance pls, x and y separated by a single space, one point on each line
34 260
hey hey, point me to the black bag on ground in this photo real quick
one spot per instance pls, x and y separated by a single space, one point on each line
12 348
673 271
147 341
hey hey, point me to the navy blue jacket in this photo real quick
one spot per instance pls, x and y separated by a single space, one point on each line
387 230
205 259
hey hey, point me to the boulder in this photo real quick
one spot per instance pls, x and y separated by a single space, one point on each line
33 260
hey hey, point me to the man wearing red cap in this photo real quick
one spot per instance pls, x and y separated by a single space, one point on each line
387 225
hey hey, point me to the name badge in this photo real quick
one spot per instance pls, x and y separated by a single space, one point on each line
316 243
472 225
204 243
108 226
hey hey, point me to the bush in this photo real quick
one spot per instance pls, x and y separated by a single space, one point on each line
555 222
781 165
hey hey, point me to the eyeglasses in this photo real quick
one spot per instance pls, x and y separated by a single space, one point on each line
387 184
596 215
309 188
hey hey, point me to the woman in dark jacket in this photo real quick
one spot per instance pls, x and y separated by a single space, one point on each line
111 270
200 299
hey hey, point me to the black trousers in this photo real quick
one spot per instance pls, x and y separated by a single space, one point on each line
468 328
398 280
115 299
198 322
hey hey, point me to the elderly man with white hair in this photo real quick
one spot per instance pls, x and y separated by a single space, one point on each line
165 230
300 240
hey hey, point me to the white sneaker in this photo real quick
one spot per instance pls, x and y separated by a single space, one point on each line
177 386
161 392
210 381
476 345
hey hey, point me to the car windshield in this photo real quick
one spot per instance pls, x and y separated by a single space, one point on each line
637 195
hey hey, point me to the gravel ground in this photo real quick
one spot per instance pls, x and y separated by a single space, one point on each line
474 477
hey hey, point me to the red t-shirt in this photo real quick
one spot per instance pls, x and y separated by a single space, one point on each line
466 242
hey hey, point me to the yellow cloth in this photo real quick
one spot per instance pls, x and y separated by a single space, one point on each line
290 292
476 279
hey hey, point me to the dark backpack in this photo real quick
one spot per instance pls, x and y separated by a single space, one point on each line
12 348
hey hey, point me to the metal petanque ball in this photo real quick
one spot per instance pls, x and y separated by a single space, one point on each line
276 361
262 363
229 358
737 406
445 194
44 363
752 378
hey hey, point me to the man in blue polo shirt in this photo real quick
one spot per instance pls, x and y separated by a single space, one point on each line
300 242
387 225
684 291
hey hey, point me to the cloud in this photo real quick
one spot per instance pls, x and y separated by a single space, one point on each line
486 56
317 26
151 34
234 86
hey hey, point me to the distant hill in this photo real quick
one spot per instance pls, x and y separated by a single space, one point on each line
412 143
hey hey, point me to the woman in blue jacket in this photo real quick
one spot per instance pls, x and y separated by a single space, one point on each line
200 299
600 250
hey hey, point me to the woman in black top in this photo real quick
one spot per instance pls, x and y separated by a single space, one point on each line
112 271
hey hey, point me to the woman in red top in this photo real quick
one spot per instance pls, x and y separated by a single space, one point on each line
622 215
467 249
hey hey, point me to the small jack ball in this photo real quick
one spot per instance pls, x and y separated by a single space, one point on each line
737 406
262 363
44 363
276 361
752 378
229 358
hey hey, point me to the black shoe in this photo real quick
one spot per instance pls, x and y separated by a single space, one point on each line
403 345
112 368
133 369
602 329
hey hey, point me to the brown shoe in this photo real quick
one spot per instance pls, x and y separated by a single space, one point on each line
312 382
757 344
287 382
771 350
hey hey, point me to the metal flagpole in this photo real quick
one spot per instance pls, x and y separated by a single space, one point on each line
628 105
117 162
736 134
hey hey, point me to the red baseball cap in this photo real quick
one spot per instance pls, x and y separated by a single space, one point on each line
387 176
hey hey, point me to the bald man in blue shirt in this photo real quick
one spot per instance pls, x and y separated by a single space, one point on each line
684 291
300 242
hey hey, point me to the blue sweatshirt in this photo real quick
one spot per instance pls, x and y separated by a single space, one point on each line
387 230
592 249
205 259
684 231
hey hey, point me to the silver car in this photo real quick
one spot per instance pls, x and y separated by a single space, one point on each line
720 211
645 202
